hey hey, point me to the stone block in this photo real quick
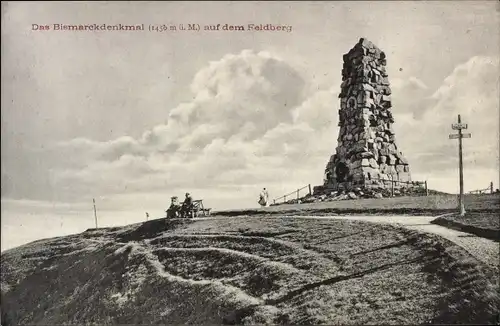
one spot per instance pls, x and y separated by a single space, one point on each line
366 154
353 166
401 158
384 151
361 97
391 159
383 168
383 176
368 87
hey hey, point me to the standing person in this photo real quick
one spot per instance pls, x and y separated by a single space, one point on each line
266 196
263 198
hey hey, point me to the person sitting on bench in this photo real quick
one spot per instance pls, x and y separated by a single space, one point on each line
187 206
174 209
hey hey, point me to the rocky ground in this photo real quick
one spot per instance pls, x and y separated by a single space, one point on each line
257 270
360 193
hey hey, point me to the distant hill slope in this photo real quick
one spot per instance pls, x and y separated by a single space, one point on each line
233 271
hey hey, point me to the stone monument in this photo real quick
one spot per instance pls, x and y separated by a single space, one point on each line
366 155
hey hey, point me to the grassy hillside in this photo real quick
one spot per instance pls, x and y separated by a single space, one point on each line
234 271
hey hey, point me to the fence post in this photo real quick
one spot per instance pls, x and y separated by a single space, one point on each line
297 194
284 199
310 192
426 189
491 187
95 213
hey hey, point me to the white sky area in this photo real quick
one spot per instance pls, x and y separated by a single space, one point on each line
133 118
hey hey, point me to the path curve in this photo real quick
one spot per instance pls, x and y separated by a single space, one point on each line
485 250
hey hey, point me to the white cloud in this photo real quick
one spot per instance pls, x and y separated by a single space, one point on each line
242 112
471 90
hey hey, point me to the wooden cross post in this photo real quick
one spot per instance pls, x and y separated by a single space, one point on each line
460 126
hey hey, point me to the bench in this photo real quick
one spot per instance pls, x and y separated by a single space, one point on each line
199 209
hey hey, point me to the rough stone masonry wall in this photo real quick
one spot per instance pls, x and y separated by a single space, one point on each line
366 151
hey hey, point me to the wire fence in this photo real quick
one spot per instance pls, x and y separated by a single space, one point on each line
296 194
396 183
489 189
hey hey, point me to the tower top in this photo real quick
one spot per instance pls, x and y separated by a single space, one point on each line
365 48
364 42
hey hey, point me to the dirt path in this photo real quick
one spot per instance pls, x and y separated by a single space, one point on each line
483 249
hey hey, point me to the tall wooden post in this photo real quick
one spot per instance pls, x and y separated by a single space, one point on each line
461 167
459 126
491 187
310 192
95 213
297 194
426 189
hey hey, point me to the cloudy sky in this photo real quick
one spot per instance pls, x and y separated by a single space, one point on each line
132 118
